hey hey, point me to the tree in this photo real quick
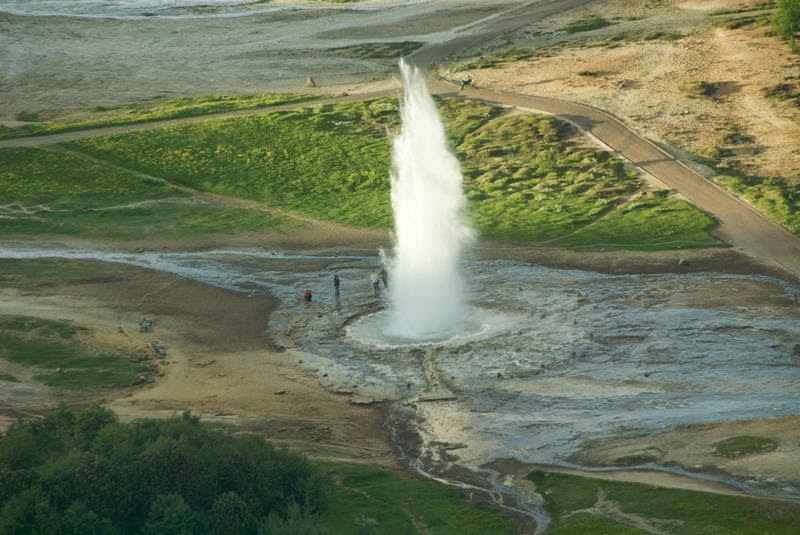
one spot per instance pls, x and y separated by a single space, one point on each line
169 515
90 473
79 520
230 516
29 512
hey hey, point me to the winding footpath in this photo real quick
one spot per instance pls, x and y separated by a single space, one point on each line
740 224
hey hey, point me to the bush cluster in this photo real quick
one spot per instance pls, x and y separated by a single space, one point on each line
90 473
787 21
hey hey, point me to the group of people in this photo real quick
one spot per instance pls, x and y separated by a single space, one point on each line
375 279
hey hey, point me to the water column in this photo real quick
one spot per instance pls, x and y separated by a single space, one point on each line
426 289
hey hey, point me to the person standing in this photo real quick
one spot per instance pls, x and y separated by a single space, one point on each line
336 283
384 277
376 283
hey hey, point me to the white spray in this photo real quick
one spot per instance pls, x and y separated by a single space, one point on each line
425 287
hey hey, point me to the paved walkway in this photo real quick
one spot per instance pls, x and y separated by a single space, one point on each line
740 224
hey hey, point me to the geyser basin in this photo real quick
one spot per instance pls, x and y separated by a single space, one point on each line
477 324
589 355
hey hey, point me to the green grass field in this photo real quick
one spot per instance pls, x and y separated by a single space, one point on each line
651 223
53 349
528 178
778 199
583 505
361 495
171 109
743 445
330 162
48 193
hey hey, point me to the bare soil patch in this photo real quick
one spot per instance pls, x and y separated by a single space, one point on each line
636 67
630 262
56 64
692 448
220 363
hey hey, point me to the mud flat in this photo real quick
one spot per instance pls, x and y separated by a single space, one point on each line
56 63
693 448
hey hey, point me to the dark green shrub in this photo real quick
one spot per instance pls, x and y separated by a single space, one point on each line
786 21
91 473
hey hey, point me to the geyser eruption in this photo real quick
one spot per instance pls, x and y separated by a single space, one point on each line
426 289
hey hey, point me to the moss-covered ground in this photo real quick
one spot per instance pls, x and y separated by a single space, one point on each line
583 505
49 193
59 356
170 109
528 178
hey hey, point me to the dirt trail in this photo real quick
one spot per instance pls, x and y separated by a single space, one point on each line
613 511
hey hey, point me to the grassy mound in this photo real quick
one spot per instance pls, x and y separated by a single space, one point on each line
529 179
786 22
778 199
650 223
744 445
587 24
